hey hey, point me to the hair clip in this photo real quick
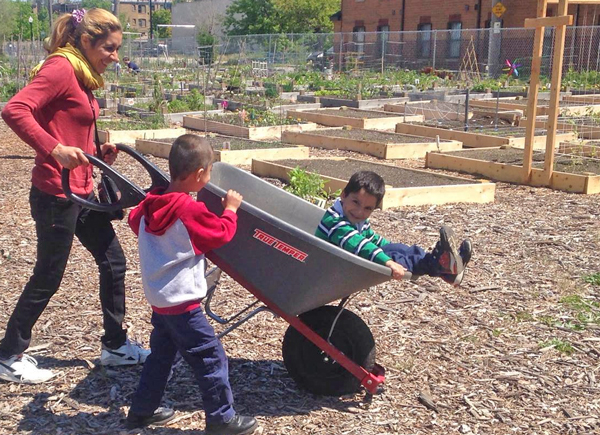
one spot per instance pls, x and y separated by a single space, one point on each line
77 16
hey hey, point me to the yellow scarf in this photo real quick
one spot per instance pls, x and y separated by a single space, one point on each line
83 70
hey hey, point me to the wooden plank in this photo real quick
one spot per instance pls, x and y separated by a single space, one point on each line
492 170
557 65
476 193
389 150
473 140
130 136
582 99
254 133
565 20
425 112
534 85
383 123
563 181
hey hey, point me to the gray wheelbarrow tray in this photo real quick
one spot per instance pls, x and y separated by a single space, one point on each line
275 255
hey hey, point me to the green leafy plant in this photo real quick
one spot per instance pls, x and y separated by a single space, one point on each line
308 186
561 346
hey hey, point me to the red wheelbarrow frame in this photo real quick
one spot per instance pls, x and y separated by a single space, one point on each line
369 380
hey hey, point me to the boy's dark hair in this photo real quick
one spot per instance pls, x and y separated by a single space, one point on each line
368 180
189 153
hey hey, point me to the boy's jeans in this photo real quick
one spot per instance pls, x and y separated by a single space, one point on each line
413 258
194 338
57 220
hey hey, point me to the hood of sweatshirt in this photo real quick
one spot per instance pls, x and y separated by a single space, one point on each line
161 210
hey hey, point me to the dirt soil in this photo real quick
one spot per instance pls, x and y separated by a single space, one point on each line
355 113
564 163
393 176
515 349
482 125
235 143
373 136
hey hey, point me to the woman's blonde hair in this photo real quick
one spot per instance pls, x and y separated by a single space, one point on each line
69 28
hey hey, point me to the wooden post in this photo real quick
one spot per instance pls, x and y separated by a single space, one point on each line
534 84
557 65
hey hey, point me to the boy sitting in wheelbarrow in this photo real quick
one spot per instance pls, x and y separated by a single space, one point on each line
174 232
346 224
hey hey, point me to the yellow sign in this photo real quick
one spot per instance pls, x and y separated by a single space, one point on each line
499 9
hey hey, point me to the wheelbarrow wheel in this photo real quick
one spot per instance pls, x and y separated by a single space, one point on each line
311 368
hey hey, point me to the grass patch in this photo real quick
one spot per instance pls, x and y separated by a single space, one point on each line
583 312
524 316
593 279
560 345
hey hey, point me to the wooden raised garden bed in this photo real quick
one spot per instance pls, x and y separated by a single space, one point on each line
483 138
240 152
566 109
571 174
330 101
582 99
255 133
430 110
357 118
377 143
403 186
584 127
130 136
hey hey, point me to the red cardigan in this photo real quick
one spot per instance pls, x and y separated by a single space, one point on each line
55 108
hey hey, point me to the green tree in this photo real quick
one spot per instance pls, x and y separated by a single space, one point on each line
248 17
161 16
306 16
8 11
102 4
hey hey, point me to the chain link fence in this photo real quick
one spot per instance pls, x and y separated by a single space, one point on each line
480 52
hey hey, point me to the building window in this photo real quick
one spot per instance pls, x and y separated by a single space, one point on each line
454 39
141 9
424 40
383 36
134 22
142 23
359 39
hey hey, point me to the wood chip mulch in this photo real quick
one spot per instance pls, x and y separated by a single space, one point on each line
516 349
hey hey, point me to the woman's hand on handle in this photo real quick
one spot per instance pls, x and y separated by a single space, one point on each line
109 152
69 157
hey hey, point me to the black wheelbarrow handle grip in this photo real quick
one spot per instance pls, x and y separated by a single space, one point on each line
131 195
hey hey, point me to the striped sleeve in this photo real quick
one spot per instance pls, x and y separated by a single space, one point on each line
345 235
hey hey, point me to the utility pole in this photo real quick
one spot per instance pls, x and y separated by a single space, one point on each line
50 14
151 30
495 38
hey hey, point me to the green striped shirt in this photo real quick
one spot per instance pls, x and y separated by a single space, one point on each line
359 238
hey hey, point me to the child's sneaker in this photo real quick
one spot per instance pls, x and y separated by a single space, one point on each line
130 353
23 369
465 251
446 253
159 417
238 425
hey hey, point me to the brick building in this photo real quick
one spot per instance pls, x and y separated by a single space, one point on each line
437 33
412 15
137 13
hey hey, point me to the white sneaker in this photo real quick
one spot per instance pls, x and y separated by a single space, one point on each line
23 369
130 353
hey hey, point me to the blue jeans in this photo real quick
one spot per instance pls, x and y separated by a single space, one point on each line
194 338
57 220
412 258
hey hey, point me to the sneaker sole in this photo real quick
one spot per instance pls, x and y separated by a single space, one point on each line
449 243
467 252
21 381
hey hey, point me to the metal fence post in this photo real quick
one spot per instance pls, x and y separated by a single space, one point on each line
434 48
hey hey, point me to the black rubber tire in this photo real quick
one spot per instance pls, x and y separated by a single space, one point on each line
318 373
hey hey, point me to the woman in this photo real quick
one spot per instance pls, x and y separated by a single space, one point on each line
55 115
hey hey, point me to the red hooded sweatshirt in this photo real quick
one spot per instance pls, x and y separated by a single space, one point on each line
174 232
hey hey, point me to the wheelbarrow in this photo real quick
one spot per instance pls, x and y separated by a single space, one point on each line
274 254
